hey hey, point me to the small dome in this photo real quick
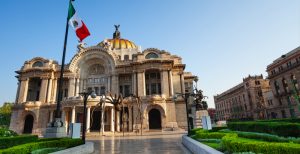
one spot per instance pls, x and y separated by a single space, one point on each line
118 43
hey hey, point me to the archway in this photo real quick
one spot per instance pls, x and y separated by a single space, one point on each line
28 125
154 119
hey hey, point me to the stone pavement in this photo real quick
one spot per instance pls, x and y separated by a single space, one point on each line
148 143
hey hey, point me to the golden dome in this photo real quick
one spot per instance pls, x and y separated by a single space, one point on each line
118 43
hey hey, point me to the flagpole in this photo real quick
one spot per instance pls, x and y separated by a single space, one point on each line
60 84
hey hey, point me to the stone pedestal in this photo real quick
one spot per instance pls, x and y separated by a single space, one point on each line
55 130
198 118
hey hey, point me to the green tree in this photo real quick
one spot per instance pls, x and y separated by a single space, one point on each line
5 113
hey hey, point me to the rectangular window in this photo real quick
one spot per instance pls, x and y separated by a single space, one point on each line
97 91
153 88
89 89
126 90
153 76
126 57
121 90
102 91
159 88
147 89
66 93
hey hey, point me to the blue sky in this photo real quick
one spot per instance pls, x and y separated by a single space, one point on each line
219 41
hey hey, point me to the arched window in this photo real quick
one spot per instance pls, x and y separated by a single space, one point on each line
151 55
37 64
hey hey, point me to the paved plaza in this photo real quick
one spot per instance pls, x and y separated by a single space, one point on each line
151 142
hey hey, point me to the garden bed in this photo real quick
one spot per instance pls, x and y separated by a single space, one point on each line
229 141
34 144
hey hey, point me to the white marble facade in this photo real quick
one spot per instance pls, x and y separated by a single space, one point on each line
115 66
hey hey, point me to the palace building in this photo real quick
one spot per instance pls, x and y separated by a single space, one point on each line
284 75
115 66
246 100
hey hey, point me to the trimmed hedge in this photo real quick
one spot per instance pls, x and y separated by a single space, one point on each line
263 136
6 142
289 120
215 129
232 143
46 150
29 147
206 135
193 131
276 128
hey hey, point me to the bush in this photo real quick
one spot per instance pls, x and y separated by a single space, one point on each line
7 133
6 142
29 147
232 143
276 128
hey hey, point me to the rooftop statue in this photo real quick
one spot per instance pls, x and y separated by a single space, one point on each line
117 33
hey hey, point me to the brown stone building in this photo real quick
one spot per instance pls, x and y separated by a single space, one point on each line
284 76
246 100
115 66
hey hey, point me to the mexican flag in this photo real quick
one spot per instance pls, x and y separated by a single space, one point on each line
81 30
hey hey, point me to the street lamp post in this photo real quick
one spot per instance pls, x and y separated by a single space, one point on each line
85 96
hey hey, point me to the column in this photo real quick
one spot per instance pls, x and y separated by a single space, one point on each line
141 83
43 91
88 119
133 83
73 115
118 121
181 79
63 116
63 119
54 90
71 88
102 121
76 87
49 90
112 120
18 92
171 83
51 116
130 119
164 83
23 90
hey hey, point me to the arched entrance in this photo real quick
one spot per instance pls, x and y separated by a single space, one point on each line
28 125
154 119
